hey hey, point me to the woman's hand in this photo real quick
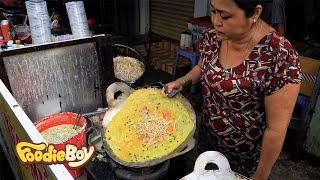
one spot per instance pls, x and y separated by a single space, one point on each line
173 85
191 77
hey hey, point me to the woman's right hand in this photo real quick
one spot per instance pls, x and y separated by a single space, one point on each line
173 85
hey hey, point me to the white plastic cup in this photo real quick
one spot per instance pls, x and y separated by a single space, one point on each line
39 21
78 19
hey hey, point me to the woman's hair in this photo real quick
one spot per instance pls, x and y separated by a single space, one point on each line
249 5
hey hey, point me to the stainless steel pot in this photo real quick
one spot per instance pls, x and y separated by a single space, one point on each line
123 51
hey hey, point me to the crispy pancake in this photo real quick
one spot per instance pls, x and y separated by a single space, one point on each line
148 126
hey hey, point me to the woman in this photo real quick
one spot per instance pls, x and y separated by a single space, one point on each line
250 80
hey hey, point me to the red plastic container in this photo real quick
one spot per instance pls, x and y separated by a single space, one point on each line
5 29
79 140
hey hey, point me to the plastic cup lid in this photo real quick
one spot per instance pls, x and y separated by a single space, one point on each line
4 22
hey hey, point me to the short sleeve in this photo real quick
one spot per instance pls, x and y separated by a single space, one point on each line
285 69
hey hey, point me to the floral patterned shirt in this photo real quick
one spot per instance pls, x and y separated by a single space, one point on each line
234 118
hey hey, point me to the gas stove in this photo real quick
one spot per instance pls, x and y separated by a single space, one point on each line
147 173
105 167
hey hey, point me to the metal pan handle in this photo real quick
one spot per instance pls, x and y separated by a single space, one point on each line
116 87
133 50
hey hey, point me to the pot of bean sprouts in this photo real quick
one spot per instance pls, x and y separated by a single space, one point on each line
128 64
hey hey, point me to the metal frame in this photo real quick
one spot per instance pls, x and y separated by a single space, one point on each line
30 132
22 125
71 69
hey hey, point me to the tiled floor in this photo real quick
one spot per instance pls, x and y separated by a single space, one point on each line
163 56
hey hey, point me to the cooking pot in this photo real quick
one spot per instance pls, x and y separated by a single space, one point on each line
121 52
223 172
115 105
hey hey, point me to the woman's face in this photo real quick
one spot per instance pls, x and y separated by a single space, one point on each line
229 20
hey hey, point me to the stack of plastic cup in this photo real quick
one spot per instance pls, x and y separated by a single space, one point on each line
78 19
39 21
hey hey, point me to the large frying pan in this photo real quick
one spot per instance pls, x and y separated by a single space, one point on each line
114 107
